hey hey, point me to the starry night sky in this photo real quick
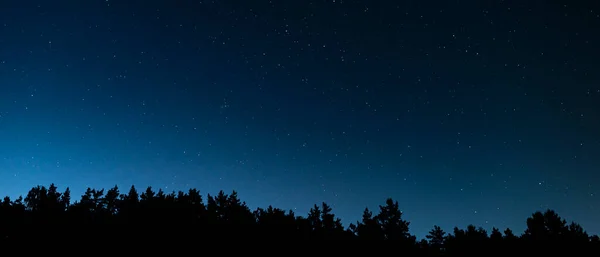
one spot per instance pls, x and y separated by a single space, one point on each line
464 111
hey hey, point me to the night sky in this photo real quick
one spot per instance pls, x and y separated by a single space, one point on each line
464 111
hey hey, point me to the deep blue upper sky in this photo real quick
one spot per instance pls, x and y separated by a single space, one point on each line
465 112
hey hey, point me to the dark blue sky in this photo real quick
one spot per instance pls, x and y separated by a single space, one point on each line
465 112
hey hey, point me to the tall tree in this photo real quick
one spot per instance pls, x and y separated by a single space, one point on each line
391 222
369 227
436 237
65 199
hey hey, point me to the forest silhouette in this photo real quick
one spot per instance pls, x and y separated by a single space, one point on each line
108 216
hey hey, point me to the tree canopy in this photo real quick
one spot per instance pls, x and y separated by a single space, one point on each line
111 216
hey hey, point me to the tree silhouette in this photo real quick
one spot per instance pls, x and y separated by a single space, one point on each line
436 239
391 222
369 228
108 218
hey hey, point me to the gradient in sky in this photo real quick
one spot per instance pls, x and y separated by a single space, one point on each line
465 112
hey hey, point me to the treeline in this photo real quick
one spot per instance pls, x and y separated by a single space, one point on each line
105 216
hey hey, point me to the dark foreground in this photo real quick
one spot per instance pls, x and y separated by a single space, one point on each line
182 219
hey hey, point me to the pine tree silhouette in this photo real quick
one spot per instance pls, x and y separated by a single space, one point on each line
181 218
